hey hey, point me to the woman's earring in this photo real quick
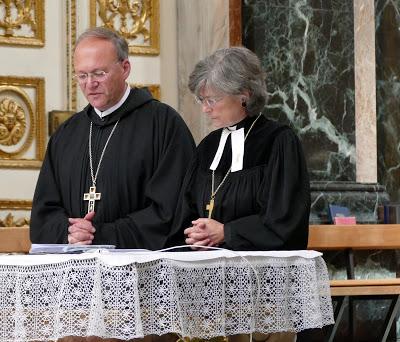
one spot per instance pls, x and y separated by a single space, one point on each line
244 104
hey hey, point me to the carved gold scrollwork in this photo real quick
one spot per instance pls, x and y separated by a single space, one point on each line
9 221
15 111
12 122
153 88
136 20
16 206
23 16
133 16
71 31
28 150
22 22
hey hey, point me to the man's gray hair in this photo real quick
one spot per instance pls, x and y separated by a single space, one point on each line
120 44
232 71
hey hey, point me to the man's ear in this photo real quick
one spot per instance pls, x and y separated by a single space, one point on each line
126 65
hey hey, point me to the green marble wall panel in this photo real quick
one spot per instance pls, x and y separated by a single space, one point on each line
307 50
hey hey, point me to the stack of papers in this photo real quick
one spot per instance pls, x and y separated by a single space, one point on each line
54 248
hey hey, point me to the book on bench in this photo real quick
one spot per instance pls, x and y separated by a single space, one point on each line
389 213
340 215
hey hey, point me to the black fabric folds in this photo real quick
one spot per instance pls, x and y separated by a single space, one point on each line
266 205
139 178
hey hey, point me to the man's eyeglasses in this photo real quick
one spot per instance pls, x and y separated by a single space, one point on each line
208 101
96 76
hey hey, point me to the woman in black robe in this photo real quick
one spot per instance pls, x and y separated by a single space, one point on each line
247 187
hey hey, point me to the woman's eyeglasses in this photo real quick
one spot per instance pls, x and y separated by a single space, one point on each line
208 101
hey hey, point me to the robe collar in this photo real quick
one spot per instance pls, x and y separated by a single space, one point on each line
108 111
137 97
237 133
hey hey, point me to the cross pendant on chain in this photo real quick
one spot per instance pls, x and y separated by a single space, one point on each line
92 196
210 207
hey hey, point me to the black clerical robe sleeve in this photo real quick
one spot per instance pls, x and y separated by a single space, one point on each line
149 227
284 195
186 210
49 220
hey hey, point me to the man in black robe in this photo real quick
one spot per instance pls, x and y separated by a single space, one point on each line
127 148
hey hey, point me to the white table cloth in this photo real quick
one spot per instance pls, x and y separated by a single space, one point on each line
128 295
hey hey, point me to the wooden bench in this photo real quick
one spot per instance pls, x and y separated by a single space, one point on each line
359 237
14 240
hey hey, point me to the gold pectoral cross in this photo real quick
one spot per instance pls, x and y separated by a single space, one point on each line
210 206
92 196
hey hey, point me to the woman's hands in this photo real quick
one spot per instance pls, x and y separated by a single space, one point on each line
205 232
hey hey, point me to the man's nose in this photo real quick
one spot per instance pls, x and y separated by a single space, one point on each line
91 79
92 82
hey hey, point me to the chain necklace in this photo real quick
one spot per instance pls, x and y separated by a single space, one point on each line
210 205
92 196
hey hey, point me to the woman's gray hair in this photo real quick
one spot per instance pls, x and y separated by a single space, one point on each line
232 71
120 44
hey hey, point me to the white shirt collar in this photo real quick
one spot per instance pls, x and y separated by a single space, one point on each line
237 143
116 106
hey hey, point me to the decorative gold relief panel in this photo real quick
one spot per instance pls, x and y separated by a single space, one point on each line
71 32
57 117
22 22
153 88
14 213
11 221
138 21
22 124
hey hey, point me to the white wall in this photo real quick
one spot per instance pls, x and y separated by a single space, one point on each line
169 52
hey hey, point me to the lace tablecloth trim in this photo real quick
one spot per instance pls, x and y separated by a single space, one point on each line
206 298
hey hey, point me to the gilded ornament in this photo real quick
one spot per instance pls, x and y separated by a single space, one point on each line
153 88
16 118
132 16
23 16
136 20
22 22
29 151
10 222
12 122
13 204
71 32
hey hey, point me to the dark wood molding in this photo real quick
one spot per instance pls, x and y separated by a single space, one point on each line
235 22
